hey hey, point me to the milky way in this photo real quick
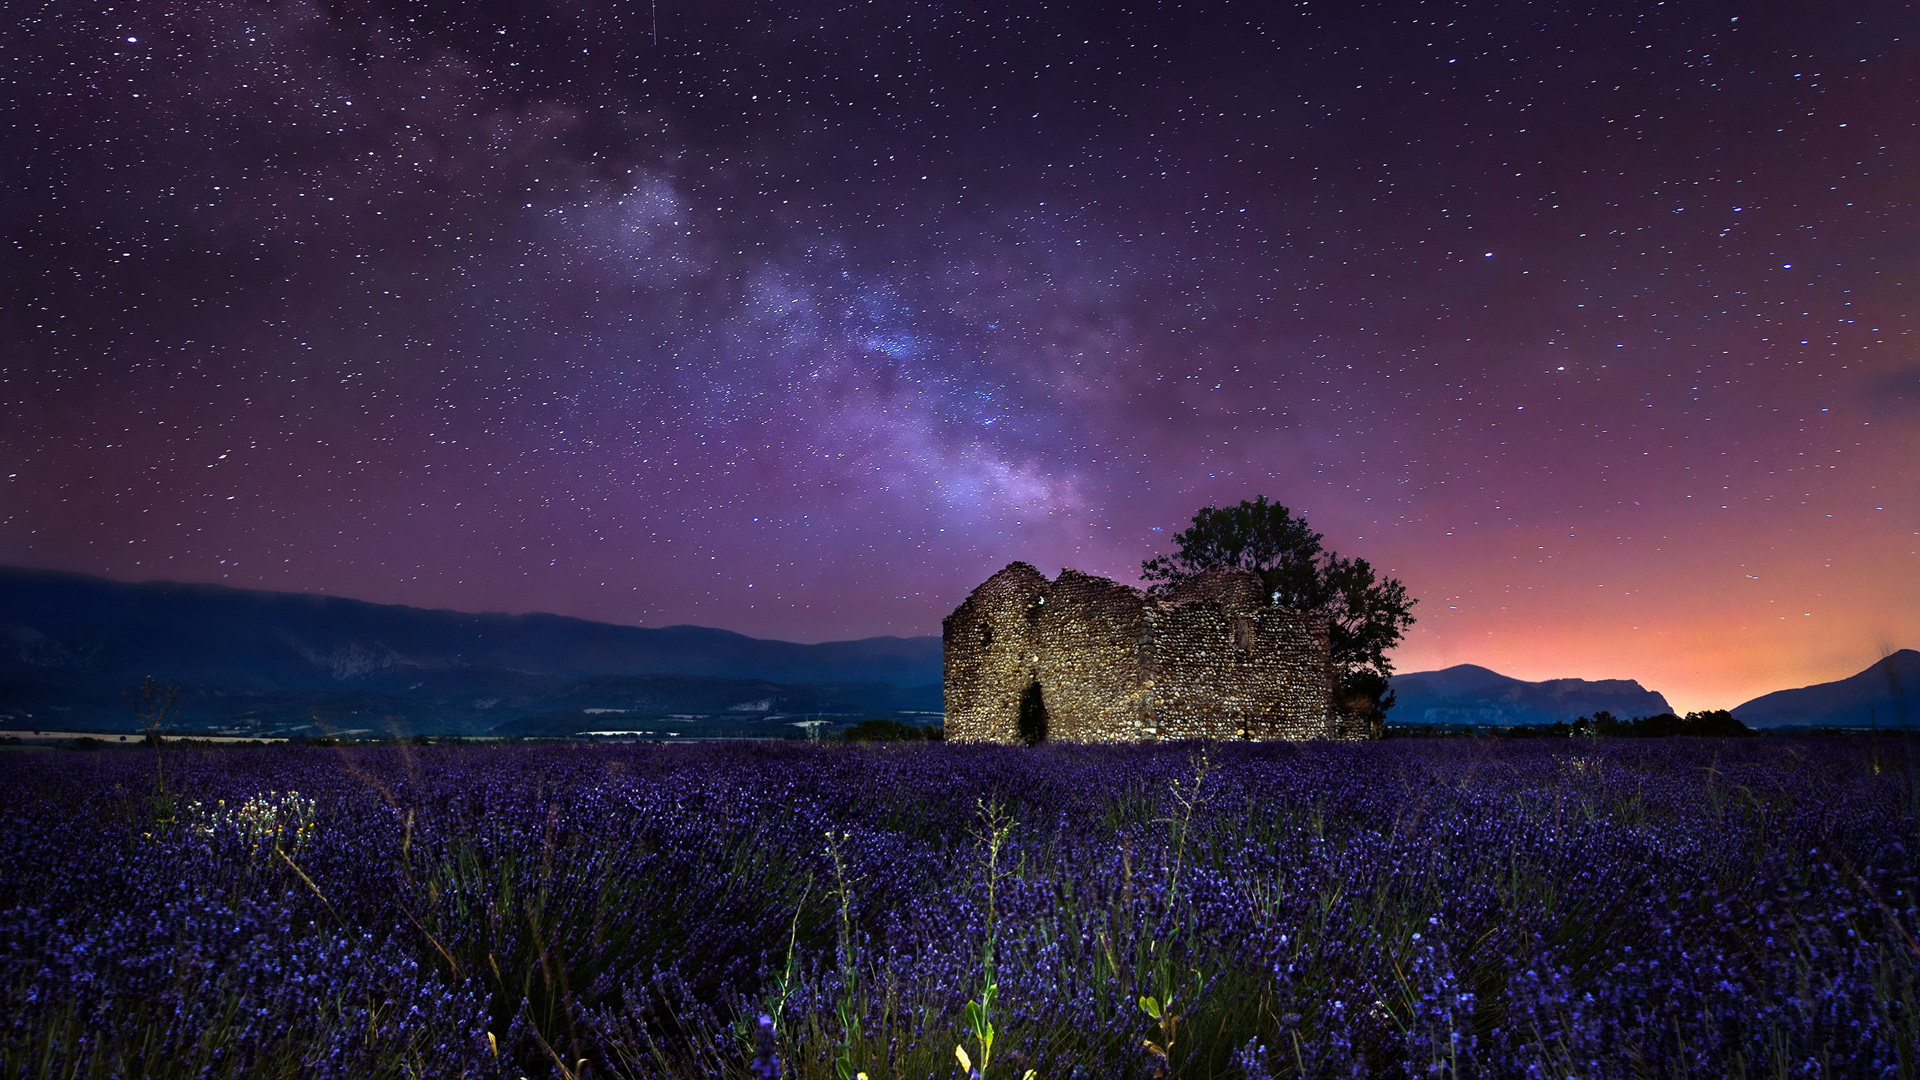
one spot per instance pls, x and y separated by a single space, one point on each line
1592 324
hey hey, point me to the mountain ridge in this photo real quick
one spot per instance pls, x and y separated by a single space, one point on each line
1471 694
71 643
1886 694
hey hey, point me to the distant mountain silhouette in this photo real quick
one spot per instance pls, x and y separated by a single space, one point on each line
1887 693
1468 694
260 662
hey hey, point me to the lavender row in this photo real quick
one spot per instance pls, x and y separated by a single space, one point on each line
1417 908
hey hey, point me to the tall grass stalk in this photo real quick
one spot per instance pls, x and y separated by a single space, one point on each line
1187 796
154 707
994 827
849 1008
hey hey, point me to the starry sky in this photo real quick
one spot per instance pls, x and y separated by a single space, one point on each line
1594 324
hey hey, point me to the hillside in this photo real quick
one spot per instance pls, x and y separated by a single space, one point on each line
1468 694
256 662
1887 693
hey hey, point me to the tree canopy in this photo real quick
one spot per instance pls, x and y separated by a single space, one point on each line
1367 613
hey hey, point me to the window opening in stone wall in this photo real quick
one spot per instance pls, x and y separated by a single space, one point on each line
986 635
1033 715
1243 633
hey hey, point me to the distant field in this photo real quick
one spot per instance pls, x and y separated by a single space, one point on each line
135 739
1465 908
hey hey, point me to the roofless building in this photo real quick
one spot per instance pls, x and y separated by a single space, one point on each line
1085 659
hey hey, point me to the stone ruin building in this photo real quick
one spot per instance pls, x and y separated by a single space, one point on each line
1085 659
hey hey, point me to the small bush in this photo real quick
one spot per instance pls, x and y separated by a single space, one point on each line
881 729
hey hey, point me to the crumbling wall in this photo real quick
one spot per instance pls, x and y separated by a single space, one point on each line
1211 660
1092 646
1222 673
990 655
1234 591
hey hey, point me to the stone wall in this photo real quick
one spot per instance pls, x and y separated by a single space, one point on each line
1226 674
1110 664
1094 647
989 655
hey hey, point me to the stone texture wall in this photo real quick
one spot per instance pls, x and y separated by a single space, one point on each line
1094 646
989 655
1231 672
1212 660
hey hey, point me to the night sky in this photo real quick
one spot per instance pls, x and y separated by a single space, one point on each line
1595 324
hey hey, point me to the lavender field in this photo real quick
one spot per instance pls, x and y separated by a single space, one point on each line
1543 908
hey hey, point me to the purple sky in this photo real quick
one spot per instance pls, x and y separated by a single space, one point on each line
1596 327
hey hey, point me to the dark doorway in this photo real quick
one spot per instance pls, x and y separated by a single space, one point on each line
1033 715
